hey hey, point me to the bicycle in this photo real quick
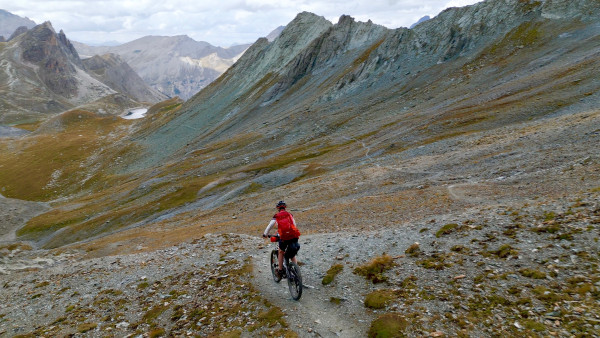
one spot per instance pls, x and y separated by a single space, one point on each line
291 269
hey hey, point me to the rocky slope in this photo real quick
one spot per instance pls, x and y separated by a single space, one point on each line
176 66
117 74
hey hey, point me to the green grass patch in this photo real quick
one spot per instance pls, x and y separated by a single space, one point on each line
413 251
85 327
378 299
272 317
436 262
446 229
504 251
153 313
375 269
532 273
389 325
534 325
333 271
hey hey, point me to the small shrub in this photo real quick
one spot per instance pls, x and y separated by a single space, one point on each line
436 261
389 325
378 299
85 327
460 249
153 313
446 229
413 250
505 251
271 317
333 271
409 282
533 325
143 285
531 273
374 270
549 216
42 284
157 333
335 300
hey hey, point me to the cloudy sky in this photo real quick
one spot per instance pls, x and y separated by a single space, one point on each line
220 22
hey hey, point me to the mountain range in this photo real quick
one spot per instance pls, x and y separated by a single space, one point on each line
174 65
44 75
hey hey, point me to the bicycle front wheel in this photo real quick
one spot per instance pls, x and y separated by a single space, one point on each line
295 281
275 265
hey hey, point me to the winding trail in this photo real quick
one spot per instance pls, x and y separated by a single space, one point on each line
314 315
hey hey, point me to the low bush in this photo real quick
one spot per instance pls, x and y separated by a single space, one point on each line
333 271
446 229
378 299
374 270
389 325
413 250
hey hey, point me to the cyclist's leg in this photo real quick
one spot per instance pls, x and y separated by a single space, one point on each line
282 247
280 258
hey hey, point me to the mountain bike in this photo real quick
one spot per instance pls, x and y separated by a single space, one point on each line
291 270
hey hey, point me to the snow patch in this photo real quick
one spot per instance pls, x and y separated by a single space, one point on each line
135 114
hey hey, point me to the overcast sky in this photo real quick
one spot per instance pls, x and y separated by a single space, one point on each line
219 22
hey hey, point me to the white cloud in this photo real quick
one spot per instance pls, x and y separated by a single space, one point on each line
220 22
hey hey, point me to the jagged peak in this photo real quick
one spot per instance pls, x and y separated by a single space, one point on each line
45 25
307 17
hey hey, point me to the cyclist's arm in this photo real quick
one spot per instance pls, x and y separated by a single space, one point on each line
273 222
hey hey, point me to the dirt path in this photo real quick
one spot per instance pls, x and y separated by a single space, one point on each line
14 214
314 315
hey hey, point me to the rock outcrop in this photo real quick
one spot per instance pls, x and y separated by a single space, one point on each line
55 58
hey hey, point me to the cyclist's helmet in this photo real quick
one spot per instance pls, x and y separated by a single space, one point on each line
281 205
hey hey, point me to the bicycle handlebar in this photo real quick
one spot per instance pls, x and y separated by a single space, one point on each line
273 238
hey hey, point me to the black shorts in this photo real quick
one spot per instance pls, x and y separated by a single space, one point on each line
291 246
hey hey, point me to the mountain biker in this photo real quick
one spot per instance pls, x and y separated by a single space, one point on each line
288 234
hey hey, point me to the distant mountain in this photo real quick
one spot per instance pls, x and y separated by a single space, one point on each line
10 22
111 70
275 33
44 75
17 32
176 66
423 19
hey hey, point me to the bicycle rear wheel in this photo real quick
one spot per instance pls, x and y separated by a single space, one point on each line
295 281
275 265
